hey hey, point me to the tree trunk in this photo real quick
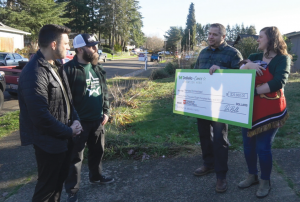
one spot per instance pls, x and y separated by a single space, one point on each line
109 40
118 39
113 39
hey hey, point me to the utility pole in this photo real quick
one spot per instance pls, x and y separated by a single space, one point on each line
178 55
113 34
165 49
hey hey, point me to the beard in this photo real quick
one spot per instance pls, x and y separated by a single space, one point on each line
60 53
90 57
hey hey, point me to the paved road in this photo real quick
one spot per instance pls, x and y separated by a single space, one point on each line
113 68
122 67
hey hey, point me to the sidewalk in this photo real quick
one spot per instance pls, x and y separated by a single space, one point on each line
162 179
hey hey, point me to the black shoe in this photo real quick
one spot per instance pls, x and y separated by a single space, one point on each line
103 180
72 198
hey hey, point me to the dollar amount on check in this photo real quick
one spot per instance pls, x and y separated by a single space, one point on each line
226 96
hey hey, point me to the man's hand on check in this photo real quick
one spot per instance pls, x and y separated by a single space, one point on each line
213 69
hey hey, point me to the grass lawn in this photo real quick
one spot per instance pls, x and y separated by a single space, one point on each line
289 135
144 122
118 57
9 122
148 124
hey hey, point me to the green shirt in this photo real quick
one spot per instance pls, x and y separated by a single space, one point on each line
90 107
225 56
279 67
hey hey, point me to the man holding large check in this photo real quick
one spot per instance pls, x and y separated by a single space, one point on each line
218 55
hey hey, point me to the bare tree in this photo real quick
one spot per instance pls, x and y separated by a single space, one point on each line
154 43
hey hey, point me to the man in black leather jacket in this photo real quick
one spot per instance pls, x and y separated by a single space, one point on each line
48 119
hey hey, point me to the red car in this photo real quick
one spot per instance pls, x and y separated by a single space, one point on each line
12 73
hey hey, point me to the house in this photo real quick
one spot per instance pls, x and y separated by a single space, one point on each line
11 38
242 36
295 40
130 47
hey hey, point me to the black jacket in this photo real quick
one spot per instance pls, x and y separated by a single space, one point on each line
43 110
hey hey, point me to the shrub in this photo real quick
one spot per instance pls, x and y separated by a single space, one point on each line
193 64
289 48
107 50
25 52
105 46
118 48
159 74
247 46
171 68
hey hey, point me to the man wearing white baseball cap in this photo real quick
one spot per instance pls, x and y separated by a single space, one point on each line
87 80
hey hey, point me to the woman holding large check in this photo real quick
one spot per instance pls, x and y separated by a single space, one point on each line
269 109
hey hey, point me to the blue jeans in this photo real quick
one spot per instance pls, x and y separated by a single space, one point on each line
259 145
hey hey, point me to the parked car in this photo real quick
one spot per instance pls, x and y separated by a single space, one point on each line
2 88
134 52
154 56
164 52
187 57
12 74
102 56
10 59
69 55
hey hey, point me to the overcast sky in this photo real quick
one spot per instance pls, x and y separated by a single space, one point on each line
159 15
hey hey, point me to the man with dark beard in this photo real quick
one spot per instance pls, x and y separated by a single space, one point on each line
87 81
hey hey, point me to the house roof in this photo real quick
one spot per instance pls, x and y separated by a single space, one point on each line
248 35
5 28
292 34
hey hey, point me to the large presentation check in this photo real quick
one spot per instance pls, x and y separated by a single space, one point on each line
226 96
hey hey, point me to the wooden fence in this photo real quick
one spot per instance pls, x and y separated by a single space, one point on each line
6 44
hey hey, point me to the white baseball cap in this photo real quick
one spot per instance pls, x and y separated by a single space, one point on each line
82 40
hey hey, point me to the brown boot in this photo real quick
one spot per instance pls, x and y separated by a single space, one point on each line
221 185
203 170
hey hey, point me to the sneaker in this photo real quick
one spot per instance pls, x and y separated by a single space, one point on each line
103 180
72 198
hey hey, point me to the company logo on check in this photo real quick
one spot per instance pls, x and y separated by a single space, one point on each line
195 78
188 102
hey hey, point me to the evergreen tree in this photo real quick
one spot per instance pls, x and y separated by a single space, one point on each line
190 30
173 37
80 14
251 30
243 29
229 34
202 32
32 15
